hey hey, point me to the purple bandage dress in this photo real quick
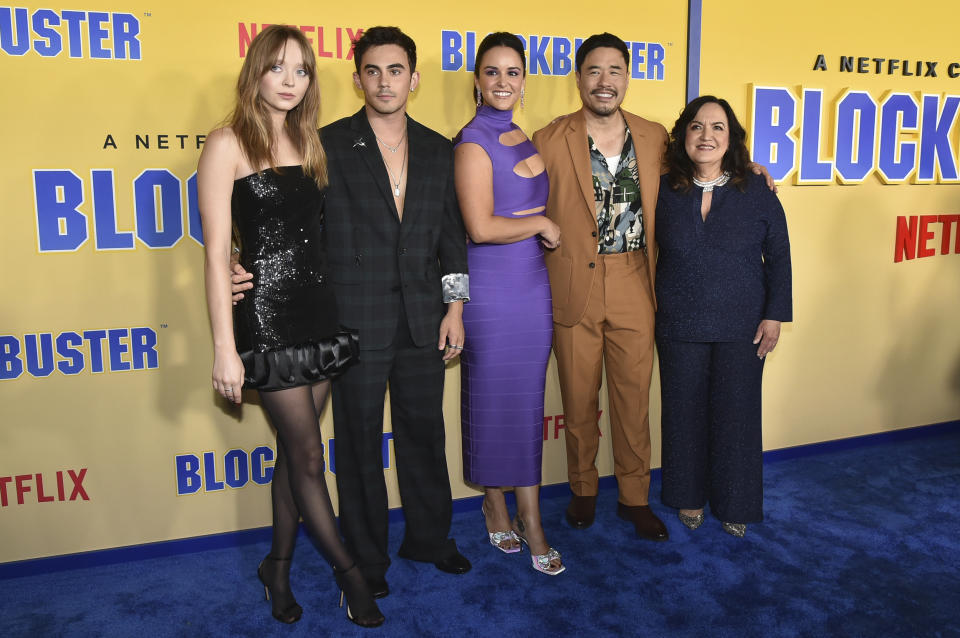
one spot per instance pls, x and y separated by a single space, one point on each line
508 323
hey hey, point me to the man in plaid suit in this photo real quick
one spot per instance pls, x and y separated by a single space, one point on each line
396 246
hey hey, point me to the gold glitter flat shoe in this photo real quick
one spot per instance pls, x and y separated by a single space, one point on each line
692 522
735 529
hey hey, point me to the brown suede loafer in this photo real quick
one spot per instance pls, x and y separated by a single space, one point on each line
581 511
646 523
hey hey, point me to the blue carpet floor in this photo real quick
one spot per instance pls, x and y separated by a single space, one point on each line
856 542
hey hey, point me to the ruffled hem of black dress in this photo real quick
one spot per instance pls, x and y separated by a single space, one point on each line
302 364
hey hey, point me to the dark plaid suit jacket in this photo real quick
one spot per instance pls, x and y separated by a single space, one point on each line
377 262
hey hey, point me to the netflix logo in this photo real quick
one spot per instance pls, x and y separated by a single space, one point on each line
63 485
326 41
917 236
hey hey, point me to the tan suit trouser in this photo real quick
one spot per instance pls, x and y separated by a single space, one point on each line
616 329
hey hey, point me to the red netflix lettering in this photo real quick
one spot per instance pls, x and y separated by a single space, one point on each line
43 498
915 233
905 245
353 36
321 51
559 423
23 486
925 236
78 485
246 32
305 29
948 221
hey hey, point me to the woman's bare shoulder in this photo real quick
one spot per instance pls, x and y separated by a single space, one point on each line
222 138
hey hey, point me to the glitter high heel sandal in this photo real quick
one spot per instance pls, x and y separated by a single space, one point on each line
543 563
735 529
497 539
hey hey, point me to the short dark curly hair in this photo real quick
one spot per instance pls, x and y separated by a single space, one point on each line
379 36
734 160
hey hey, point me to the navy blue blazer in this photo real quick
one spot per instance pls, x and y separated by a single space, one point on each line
718 278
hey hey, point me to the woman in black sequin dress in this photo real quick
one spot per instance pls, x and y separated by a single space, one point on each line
263 175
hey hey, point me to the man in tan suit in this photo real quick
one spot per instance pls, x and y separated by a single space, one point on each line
604 169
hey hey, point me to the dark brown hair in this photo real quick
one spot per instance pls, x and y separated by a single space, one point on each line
498 39
735 160
379 36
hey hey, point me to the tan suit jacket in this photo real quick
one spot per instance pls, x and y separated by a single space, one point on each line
571 205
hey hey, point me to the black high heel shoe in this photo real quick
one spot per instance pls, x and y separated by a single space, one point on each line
358 594
284 607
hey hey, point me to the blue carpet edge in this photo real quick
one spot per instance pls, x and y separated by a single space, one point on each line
160 549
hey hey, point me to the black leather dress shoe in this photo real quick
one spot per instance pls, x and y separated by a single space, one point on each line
580 512
378 587
646 523
455 563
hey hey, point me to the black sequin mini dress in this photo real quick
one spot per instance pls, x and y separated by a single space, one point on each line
286 327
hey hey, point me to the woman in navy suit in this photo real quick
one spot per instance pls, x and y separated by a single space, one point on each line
723 287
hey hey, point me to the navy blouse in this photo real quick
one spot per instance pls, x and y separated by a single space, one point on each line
718 278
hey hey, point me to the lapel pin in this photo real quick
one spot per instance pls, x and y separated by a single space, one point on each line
359 143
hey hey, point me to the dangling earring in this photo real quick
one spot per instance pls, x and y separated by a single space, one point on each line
521 98
479 101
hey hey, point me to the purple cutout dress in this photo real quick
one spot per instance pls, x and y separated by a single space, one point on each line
508 323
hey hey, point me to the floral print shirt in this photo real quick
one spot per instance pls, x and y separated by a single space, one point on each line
617 196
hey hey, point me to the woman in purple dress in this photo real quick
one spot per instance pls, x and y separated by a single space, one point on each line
502 188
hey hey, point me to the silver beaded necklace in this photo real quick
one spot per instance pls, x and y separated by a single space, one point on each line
709 185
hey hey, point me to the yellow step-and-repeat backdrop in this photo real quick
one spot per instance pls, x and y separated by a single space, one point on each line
855 110
111 435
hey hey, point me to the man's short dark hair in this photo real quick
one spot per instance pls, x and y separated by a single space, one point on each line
378 36
601 40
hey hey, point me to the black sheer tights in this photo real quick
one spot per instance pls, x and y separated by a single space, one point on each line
299 489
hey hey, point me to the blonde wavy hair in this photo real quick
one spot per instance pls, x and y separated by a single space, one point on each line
250 119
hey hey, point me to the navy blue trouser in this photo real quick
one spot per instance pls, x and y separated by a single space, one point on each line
711 428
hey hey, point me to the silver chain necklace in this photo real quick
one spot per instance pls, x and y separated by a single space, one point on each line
403 165
708 186
392 149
